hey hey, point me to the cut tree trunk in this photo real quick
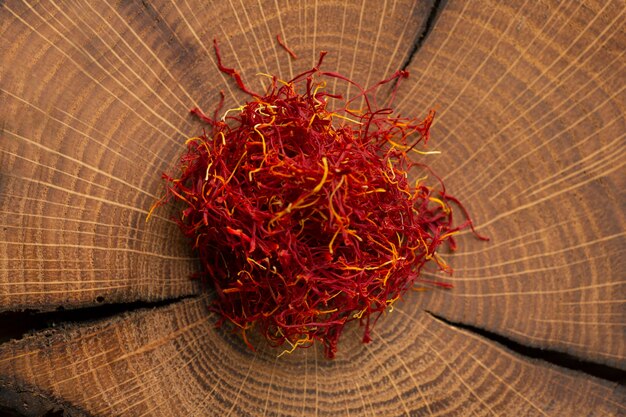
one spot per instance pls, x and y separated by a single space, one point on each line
94 105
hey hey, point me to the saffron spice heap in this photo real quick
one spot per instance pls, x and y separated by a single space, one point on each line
302 212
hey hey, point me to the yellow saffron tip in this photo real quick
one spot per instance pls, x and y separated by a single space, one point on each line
443 205
321 184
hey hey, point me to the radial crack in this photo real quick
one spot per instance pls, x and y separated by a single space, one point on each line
418 42
554 357
23 403
17 324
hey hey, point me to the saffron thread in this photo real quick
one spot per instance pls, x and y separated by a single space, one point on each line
302 212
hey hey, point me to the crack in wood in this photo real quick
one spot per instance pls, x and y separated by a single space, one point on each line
16 402
554 357
17 324
418 42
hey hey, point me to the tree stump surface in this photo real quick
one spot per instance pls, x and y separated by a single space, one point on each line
98 315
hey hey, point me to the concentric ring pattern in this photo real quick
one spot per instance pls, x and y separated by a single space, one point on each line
94 100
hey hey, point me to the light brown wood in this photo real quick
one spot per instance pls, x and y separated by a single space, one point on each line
532 133
94 100
171 361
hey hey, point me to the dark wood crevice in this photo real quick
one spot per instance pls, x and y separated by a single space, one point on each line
14 325
554 357
420 39
16 402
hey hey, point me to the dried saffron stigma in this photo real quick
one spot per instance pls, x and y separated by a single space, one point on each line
302 212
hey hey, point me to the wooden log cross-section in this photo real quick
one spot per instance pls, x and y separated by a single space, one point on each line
98 315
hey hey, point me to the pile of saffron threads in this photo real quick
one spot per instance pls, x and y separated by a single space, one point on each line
302 212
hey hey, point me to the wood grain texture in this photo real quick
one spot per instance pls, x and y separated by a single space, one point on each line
532 133
94 100
171 361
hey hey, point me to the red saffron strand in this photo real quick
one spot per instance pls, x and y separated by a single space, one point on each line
231 71
285 47
302 212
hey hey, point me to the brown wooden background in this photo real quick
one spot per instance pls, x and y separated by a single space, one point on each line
94 100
